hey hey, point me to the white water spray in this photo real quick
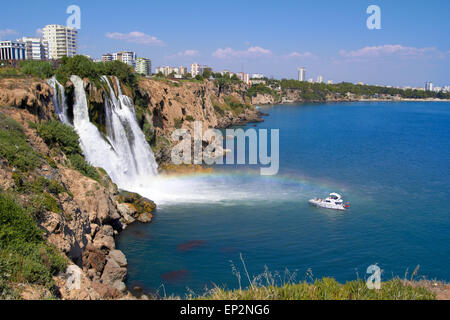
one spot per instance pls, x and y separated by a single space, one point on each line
126 156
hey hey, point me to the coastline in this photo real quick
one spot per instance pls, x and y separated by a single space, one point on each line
350 100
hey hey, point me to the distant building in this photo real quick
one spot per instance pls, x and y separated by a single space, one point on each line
195 69
12 50
320 79
144 66
240 76
257 76
330 82
178 72
128 57
107 57
182 71
35 48
311 80
301 74
247 78
429 86
61 41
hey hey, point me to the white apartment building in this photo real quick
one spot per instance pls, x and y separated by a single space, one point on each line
257 76
195 69
301 74
127 57
12 50
178 72
247 78
61 41
35 48
319 79
429 86
144 66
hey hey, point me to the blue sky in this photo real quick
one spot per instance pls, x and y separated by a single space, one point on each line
329 38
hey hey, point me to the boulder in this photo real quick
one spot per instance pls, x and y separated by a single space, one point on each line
118 257
113 272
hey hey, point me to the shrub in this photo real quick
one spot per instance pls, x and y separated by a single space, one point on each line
14 146
190 118
178 122
24 254
56 134
80 164
41 69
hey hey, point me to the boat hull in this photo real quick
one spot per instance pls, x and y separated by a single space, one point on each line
321 204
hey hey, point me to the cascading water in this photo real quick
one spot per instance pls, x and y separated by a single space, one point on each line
59 100
123 152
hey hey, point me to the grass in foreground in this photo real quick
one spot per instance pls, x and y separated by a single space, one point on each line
326 289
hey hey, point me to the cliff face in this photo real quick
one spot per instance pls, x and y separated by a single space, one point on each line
171 105
80 216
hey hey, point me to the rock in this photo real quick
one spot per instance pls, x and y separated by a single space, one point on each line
120 286
118 257
105 238
145 217
113 272
136 206
94 258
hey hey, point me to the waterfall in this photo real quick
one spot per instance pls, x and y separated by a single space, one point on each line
59 100
123 152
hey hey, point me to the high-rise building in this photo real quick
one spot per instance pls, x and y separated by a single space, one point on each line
12 50
35 48
319 79
429 86
195 69
182 71
301 74
61 41
107 57
127 57
247 78
144 66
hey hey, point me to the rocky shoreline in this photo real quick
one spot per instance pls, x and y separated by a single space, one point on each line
267 99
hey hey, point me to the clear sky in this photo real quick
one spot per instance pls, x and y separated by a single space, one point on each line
329 38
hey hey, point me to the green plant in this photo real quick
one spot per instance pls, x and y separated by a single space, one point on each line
178 122
41 69
57 134
80 164
190 118
14 146
24 253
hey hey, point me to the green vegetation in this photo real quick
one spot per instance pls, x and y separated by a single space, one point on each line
85 68
320 91
14 146
232 104
41 69
58 135
190 118
178 123
25 257
259 88
326 289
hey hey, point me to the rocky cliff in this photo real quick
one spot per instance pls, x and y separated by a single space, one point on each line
80 211
79 215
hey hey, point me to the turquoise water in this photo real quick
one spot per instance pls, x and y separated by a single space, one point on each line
390 160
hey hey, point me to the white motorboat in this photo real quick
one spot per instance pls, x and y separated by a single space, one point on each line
335 201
